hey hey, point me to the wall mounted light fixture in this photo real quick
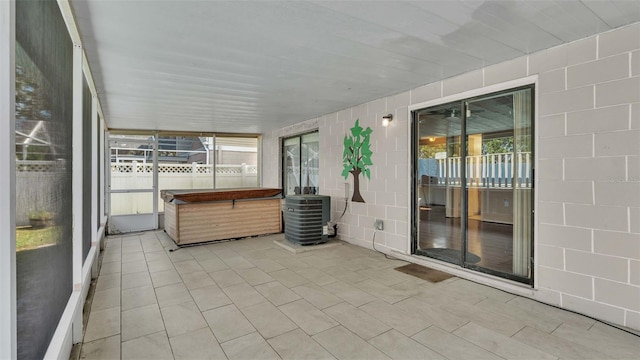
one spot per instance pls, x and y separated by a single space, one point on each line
387 119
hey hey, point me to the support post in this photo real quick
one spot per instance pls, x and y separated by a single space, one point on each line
77 188
243 170
8 321
106 166
155 181
94 184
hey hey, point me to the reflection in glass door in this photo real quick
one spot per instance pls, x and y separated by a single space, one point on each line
291 166
475 202
300 163
439 192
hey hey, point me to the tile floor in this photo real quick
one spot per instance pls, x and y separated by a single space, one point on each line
250 299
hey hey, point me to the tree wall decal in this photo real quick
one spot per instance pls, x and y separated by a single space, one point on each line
356 157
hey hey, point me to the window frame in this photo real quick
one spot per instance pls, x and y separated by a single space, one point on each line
283 162
463 98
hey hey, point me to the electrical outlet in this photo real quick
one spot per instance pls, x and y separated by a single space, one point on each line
378 225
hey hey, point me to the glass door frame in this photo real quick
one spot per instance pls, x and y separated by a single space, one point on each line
283 162
415 205
133 222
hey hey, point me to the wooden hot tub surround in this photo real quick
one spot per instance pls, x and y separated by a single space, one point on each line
193 216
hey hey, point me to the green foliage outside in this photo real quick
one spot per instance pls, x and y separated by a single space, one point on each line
497 146
33 104
40 215
430 151
28 238
493 146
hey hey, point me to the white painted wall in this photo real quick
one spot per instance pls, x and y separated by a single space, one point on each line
587 242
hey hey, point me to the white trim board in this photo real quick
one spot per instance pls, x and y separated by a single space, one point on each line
8 312
68 331
476 92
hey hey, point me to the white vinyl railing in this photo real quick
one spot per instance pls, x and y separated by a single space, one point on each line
34 179
44 166
137 175
136 167
194 168
504 170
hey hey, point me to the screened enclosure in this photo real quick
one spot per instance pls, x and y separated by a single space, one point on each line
44 61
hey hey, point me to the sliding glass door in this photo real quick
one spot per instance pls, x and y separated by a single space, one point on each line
300 159
439 191
474 202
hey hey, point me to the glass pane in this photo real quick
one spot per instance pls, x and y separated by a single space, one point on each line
131 203
236 162
523 183
86 169
184 163
498 182
291 165
131 163
438 192
310 163
98 175
44 62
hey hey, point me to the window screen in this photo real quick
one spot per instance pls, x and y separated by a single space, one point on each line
44 62
86 170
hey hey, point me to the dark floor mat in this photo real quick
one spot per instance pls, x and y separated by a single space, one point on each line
424 273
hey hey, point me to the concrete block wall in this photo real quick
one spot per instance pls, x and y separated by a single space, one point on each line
588 243
386 194
587 240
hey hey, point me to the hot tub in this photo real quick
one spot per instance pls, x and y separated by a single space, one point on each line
192 216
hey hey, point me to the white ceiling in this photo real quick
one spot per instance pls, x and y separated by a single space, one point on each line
254 66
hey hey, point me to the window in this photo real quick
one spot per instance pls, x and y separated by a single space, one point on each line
185 161
86 169
43 123
301 164
236 160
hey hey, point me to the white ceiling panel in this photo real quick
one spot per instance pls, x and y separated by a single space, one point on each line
615 14
254 66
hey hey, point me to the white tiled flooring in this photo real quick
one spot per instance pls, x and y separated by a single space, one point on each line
250 299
